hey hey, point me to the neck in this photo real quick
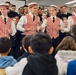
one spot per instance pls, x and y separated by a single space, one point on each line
53 15
34 14
4 15
3 54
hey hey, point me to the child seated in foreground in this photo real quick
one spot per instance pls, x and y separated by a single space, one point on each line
25 45
5 47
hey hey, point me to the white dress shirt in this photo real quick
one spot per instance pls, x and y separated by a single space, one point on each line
44 24
70 19
22 21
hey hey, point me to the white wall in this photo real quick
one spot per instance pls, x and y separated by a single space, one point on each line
17 3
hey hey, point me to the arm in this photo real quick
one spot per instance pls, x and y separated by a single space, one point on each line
43 26
17 69
22 21
13 28
70 20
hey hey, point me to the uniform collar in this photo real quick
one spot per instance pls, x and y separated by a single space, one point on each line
31 14
52 17
4 17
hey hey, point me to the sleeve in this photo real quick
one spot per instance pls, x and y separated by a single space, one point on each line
70 20
22 21
17 69
38 24
13 29
67 29
44 24
60 68
60 64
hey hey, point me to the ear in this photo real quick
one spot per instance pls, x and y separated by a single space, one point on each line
51 50
30 50
24 48
8 50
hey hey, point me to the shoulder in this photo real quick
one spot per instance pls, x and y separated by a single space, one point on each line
9 19
58 18
72 63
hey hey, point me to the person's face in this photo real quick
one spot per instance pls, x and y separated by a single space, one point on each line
25 9
53 11
44 16
74 8
65 9
3 10
16 19
34 9
13 9
21 11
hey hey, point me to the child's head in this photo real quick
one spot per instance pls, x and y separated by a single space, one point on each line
26 42
5 45
68 43
65 21
64 18
41 43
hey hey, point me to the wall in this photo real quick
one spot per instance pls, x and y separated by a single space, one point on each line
17 3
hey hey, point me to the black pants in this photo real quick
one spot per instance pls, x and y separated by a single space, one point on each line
63 35
55 43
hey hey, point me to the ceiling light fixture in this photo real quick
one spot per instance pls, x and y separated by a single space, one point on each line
70 2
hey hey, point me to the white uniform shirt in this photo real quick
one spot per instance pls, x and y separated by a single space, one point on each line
44 24
70 19
22 21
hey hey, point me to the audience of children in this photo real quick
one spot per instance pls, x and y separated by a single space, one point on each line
40 62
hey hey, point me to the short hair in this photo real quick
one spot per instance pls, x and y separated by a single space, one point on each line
5 44
73 31
40 8
26 41
25 6
41 43
13 5
8 2
20 8
64 6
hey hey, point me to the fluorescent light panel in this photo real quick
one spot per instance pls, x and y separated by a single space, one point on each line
70 2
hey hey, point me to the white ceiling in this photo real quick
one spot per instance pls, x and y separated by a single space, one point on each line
40 2
49 2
